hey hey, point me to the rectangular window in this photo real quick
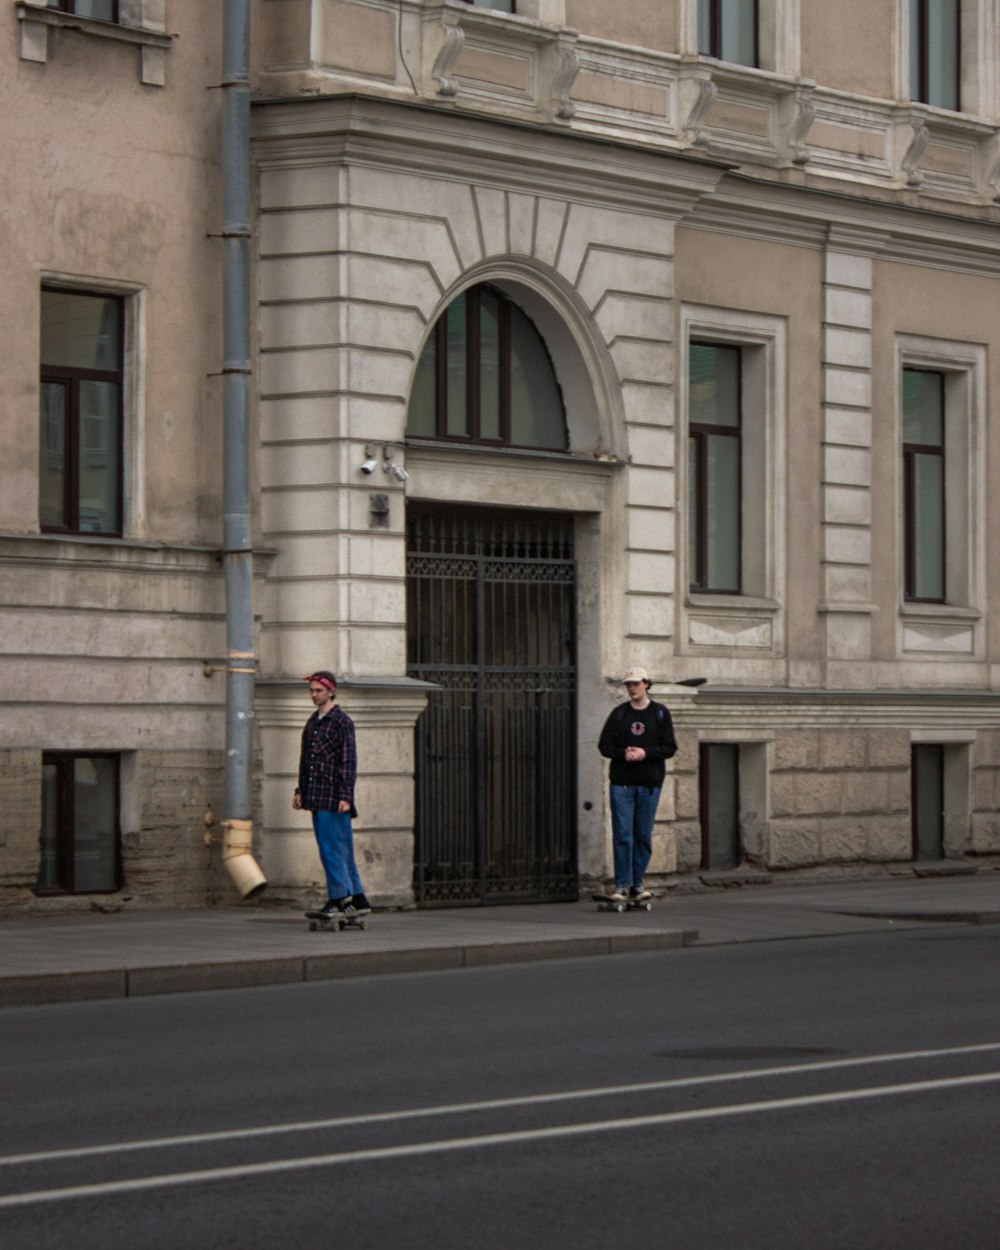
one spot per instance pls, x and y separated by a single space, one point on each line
80 840
924 539
714 467
103 10
80 425
728 30
935 52
499 6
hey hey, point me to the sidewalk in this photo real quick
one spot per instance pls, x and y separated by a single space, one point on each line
49 959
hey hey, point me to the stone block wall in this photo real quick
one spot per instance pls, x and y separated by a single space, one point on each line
20 821
840 796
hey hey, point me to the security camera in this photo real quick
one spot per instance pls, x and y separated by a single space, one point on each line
398 472
369 465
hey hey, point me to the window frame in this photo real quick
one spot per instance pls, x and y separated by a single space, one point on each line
481 4
699 433
714 9
762 338
71 378
64 762
472 434
69 6
911 452
920 59
965 439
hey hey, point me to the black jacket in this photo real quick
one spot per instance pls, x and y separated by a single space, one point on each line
652 729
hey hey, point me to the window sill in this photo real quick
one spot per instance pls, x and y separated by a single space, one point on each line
737 602
940 611
36 21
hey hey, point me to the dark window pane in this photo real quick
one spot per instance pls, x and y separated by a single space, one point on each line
52 455
942 53
95 806
536 410
499 6
104 10
695 571
714 385
99 454
923 407
490 366
705 28
457 368
81 331
928 527
722 546
738 33
935 52
927 810
422 417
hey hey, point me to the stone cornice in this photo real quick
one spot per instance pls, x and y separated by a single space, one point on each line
519 156
815 218
775 709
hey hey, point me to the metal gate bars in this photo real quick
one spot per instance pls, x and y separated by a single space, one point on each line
490 612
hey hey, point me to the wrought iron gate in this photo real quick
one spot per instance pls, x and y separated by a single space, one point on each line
491 622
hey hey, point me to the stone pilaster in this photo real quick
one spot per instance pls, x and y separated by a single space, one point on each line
847 441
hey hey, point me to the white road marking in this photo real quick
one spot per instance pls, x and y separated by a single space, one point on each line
493 1104
277 1166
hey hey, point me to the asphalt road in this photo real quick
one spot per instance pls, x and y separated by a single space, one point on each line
840 1093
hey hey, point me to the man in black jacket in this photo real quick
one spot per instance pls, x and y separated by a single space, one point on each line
638 739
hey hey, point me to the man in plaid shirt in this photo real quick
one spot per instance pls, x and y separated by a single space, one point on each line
328 768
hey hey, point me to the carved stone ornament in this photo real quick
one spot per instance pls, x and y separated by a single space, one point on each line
695 127
454 40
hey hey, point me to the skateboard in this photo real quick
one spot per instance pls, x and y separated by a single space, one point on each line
606 903
337 921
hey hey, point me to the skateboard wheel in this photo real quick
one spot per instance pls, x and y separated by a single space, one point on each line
313 926
363 924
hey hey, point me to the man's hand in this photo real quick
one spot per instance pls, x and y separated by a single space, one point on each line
634 754
343 806
297 801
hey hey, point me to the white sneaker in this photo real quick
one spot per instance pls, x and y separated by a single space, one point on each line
620 894
641 895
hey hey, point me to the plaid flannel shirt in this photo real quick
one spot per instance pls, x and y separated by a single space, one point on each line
328 762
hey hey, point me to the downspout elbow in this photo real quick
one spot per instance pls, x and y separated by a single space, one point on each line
237 841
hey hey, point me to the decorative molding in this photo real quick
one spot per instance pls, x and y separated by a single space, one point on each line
694 128
454 41
912 155
803 104
567 69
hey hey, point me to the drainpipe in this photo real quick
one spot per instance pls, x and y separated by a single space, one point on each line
237 553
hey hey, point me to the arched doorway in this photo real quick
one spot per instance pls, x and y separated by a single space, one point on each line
491 622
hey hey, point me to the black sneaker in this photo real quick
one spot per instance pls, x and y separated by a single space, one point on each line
329 908
361 904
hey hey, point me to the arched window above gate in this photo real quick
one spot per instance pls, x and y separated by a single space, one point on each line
485 376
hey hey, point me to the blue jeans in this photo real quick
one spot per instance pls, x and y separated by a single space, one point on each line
335 838
633 811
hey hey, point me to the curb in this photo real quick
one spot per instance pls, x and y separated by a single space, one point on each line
73 987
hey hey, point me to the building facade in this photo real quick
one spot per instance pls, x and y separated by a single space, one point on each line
583 337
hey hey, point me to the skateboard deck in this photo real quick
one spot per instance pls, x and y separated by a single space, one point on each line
606 903
336 922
